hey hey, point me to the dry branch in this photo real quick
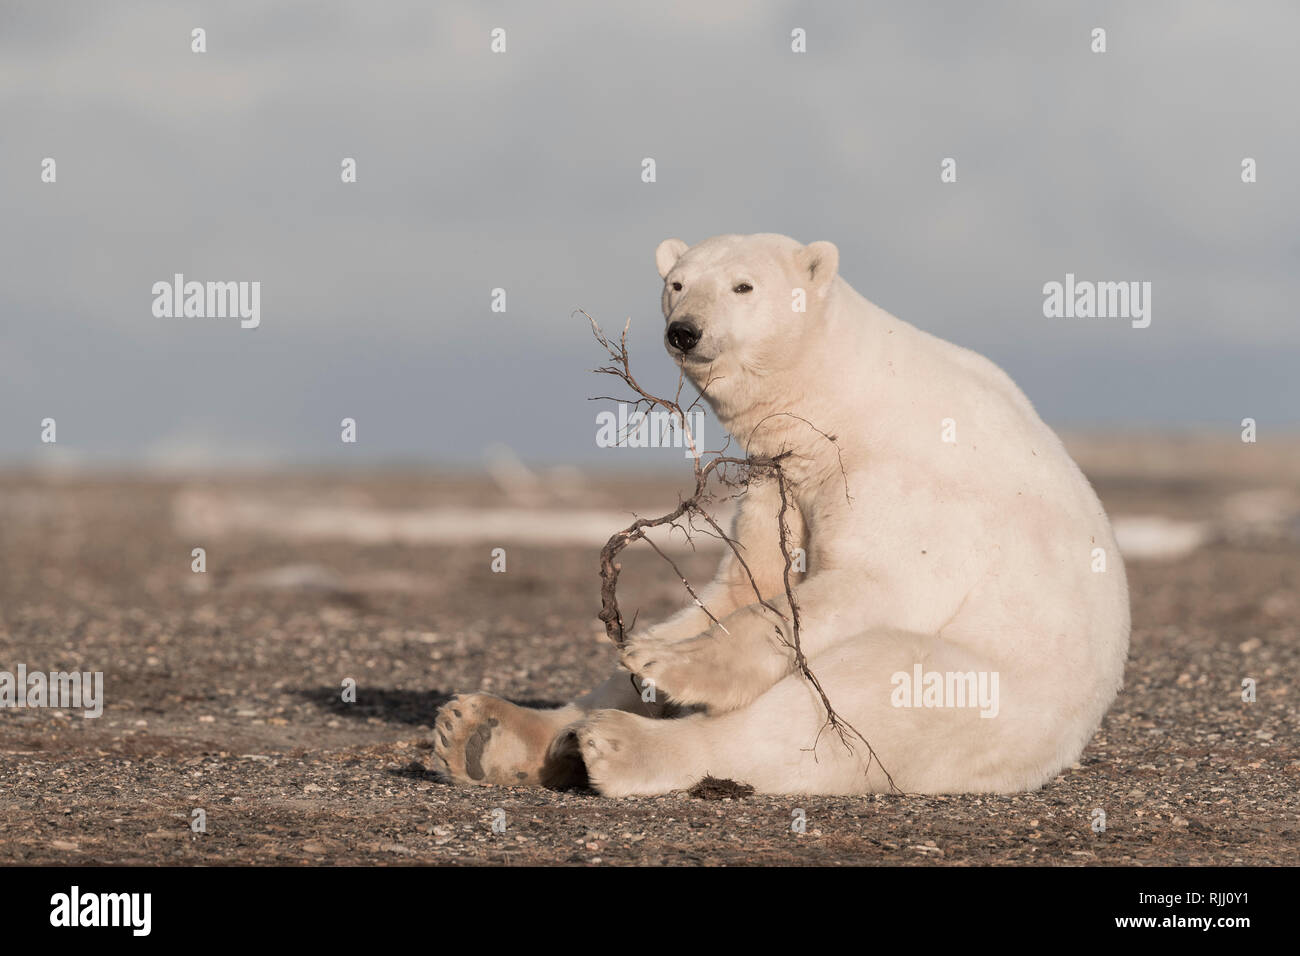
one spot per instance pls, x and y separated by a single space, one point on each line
693 507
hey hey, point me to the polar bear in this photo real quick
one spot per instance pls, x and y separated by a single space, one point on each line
952 546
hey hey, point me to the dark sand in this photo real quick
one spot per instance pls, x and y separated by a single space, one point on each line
223 694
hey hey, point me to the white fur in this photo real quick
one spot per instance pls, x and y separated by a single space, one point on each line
974 555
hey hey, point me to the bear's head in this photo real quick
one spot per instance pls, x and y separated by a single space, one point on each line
741 308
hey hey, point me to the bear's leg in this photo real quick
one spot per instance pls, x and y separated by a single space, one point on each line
780 743
766 744
482 739
730 663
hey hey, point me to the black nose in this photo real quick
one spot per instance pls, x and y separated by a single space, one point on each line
683 336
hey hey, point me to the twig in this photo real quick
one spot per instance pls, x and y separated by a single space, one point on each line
694 506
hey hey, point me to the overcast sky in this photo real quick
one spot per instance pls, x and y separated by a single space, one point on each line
522 170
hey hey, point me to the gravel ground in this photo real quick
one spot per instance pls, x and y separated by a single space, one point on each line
223 690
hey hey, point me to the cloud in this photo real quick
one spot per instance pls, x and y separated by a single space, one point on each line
521 171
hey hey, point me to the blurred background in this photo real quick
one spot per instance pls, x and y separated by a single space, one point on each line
521 171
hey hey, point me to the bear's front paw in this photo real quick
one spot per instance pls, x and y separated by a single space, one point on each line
694 672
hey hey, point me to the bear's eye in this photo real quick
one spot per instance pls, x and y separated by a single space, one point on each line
677 287
743 288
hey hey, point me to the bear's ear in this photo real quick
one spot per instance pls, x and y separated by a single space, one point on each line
820 261
666 256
